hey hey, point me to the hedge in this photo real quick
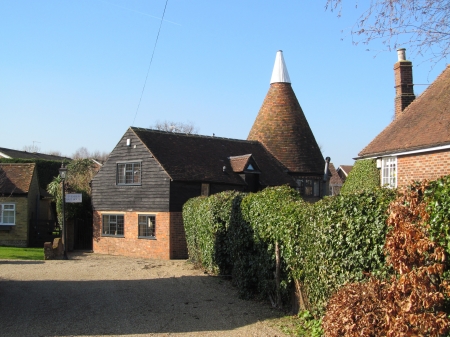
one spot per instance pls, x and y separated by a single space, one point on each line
321 245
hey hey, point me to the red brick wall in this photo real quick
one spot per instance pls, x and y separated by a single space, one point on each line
423 166
170 242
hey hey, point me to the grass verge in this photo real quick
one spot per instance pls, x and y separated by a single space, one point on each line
16 253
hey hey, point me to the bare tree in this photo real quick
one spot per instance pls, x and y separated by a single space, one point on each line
31 148
55 153
81 153
99 156
178 127
422 25
84 153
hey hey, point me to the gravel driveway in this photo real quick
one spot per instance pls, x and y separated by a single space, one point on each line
102 295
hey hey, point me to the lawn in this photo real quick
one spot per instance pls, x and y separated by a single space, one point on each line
15 253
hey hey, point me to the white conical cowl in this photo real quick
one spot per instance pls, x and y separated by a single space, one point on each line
280 73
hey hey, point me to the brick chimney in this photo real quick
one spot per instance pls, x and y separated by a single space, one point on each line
404 90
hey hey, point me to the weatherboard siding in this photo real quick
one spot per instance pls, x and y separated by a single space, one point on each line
151 194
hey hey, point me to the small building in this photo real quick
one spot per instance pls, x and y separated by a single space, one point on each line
23 205
416 144
139 192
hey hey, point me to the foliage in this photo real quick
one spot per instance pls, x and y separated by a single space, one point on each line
206 222
321 246
47 170
422 24
79 174
364 175
438 208
342 242
412 302
16 253
302 325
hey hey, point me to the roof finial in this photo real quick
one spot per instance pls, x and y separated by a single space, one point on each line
280 73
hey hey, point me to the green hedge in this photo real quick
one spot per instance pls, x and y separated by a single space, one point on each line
364 175
322 245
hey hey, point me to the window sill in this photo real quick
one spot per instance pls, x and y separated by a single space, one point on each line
6 227
147 237
113 236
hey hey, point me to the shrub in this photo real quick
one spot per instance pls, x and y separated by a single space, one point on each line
364 175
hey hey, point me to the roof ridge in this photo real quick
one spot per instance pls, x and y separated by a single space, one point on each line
186 134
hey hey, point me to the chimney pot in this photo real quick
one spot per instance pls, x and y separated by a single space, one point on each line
401 53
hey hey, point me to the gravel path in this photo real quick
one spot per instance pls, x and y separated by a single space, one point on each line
101 295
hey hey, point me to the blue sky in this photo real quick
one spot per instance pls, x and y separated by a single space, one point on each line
72 72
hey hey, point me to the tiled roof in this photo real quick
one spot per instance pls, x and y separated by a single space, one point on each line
15 178
202 158
8 153
335 180
282 128
346 168
239 163
425 123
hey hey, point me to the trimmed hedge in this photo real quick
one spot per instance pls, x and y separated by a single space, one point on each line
322 245
364 175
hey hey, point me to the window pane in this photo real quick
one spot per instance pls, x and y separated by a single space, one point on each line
146 225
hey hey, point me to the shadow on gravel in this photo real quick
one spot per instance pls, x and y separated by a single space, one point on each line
168 305
20 262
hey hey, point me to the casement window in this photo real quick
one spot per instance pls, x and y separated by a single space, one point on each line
113 225
146 224
308 187
129 173
389 172
7 214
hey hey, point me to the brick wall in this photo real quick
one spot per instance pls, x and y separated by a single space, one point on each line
18 234
423 166
169 242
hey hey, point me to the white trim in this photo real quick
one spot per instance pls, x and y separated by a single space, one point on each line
393 154
4 155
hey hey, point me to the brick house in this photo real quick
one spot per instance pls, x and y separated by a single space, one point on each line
416 144
139 192
22 203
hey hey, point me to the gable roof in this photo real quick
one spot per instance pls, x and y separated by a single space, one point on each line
345 169
242 163
9 153
424 124
335 179
16 178
187 157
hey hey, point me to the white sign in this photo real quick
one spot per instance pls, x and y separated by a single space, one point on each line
73 197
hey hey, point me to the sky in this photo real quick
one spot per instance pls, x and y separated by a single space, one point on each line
79 73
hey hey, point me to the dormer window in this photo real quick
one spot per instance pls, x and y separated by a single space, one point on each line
128 173
250 168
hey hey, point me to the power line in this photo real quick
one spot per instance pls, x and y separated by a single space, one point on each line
151 59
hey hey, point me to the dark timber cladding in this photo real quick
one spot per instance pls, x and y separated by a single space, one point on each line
151 195
283 129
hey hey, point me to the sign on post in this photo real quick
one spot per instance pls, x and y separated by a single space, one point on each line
73 197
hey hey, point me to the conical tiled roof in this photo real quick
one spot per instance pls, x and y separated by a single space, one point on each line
282 127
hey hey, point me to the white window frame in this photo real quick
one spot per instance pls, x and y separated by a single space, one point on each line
389 171
7 208
134 171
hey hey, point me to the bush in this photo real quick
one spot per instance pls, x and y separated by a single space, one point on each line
364 175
